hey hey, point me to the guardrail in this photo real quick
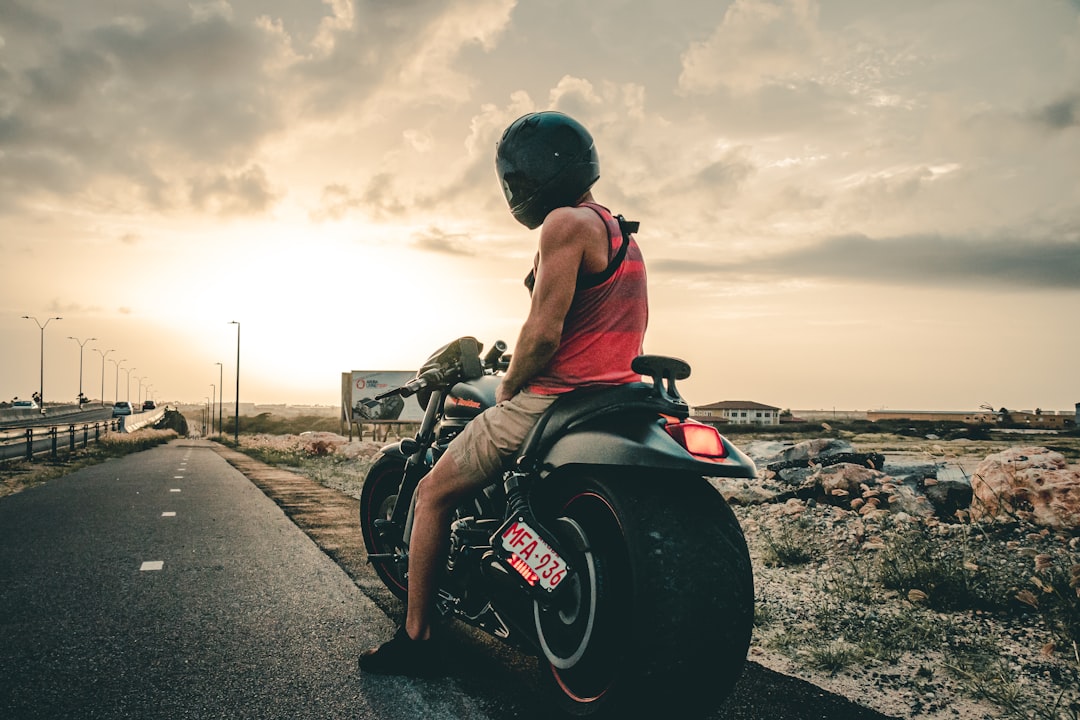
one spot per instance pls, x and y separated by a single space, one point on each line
131 423
33 441
25 443
59 412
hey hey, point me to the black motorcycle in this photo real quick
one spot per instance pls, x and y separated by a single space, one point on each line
602 549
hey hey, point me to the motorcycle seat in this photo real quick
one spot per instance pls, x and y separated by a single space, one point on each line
580 406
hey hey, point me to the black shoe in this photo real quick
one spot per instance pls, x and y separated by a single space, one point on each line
401 655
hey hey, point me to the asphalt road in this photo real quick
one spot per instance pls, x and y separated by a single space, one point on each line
111 608
246 617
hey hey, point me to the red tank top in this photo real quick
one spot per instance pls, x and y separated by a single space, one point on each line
605 326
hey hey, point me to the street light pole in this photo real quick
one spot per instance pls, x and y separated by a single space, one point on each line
127 394
236 430
41 379
81 343
221 384
213 402
103 354
116 381
138 398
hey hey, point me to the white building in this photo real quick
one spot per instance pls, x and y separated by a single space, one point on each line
739 412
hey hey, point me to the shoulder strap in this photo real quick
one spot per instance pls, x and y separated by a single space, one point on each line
626 228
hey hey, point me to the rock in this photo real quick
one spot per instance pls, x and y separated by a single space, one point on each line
808 452
912 475
741 492
905 500
947 496
1032 483
848 477
762 452
823 451
831 471
795 479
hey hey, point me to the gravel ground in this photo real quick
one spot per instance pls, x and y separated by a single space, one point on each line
825 615
888 652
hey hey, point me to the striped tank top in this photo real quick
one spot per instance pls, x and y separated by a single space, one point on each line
605 326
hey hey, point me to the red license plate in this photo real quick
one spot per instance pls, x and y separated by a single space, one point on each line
531 557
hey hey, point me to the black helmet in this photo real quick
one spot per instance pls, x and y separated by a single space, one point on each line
545 160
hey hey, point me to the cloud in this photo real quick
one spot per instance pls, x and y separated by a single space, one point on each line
758 43
439 241
378 200
71 309
246 193
396 54
194 82
336 202
382 198
1060 114
24 20
923 260
131 106
718 180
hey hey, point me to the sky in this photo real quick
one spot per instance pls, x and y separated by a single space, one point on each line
849 204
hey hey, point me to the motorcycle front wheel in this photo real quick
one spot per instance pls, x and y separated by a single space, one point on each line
378 497
660 607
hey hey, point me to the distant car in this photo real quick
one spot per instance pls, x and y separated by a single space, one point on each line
24 405
148 405
123 407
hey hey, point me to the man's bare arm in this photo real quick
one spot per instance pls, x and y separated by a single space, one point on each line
562 246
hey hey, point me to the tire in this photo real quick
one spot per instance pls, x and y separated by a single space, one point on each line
377 500
662 607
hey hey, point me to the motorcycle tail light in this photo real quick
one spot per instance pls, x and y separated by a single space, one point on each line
700 440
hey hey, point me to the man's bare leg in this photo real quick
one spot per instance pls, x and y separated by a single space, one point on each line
410 652
436 496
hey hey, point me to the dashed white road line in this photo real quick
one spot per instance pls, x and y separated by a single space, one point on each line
153 565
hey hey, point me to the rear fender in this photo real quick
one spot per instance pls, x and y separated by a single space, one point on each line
641 445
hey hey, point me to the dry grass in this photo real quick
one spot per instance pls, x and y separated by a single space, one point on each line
328 458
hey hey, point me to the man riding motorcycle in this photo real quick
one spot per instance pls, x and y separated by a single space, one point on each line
586 324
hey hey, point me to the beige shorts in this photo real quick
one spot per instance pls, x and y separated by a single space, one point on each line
496 434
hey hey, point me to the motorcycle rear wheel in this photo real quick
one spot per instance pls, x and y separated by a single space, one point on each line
663 604
378 497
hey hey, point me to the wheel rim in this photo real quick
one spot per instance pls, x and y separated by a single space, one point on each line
566 629
382 501
582 639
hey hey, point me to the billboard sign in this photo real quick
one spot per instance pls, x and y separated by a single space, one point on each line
358 391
